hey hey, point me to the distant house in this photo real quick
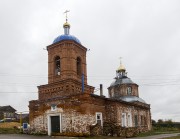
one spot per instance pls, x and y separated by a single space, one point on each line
7 112
25 117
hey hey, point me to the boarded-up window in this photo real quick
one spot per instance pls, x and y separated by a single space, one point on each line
143 120
136 120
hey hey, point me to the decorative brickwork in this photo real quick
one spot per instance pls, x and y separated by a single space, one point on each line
62 88
68 51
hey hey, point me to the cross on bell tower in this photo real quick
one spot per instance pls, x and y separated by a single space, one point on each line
66 14
66 25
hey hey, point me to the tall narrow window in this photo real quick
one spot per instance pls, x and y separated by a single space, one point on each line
129 118
78 65
136 120
142 120
57 65
123 119
129 90
99 118
145 121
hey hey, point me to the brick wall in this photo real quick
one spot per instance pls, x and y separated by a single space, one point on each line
68 51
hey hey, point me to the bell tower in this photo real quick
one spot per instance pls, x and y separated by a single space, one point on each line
67 72
66 58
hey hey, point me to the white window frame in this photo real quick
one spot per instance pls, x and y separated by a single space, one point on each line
123 120
99 113
129 120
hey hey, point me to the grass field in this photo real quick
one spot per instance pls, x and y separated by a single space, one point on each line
9 128
160 130
9 125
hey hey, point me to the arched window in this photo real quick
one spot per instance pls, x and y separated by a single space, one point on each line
57 65
78 65
123 120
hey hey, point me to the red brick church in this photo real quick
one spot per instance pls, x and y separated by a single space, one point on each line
68 104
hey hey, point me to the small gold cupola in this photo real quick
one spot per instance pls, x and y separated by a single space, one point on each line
121 71
121 67
66 25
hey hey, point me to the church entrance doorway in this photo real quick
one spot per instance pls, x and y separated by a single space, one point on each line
55 124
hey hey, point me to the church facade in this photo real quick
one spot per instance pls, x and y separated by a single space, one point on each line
68 104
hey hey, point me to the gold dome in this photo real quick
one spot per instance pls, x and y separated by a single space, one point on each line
66 24
121 68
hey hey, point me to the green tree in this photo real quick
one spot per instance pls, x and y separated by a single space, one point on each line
160 121
169 121
153 122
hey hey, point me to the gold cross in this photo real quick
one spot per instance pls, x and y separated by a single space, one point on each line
66 14
120 60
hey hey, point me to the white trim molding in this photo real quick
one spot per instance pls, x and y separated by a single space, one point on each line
49 122
129 120
123 120
99 117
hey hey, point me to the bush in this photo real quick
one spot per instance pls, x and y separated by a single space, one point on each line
34 132
9 131
110 129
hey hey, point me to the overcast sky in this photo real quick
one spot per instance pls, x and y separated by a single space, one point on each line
146 33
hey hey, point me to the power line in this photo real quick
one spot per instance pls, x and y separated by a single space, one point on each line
14 84
23 75
45 76
158 81
141 84
160 84
18 92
